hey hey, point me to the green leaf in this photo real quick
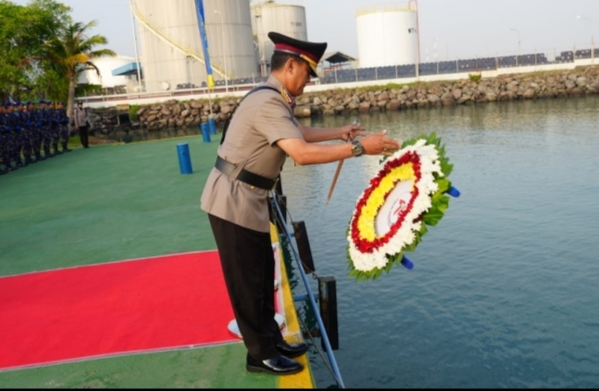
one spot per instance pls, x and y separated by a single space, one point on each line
443 185
446 168
433 218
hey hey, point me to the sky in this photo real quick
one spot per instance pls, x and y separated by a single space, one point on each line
449 29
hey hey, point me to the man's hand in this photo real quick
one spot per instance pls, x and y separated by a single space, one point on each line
350 132
379 144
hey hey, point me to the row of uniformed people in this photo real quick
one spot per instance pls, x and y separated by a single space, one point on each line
27 130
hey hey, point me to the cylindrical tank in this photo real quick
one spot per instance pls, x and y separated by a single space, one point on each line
287 19
171 50
387 35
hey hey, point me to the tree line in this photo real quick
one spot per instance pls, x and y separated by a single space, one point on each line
43 52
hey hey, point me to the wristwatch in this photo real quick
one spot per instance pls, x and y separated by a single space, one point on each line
356 148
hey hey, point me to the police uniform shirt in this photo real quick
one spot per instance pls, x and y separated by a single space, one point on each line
42 116
31 118
263 118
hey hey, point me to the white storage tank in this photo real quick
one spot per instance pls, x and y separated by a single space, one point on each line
388 35
171 52
288 19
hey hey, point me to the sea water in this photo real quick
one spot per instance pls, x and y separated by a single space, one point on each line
504 292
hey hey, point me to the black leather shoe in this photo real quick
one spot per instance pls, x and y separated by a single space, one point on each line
292 350
279 365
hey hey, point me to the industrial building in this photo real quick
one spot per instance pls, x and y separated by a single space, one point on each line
388 35
171 51
111 74
287 19
191 44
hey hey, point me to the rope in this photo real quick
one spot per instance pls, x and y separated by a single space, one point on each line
327 365
278 218
313 273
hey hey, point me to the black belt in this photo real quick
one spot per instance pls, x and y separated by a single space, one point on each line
245 176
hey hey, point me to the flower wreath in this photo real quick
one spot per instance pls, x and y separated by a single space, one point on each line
391 215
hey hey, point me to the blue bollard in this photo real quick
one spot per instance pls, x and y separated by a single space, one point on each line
212 125
184 158
205 132
407 263
453 192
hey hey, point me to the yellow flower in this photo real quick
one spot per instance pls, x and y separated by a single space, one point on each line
367 216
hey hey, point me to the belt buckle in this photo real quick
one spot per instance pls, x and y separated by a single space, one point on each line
273 185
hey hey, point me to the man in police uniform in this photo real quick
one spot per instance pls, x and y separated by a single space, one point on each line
40 118
63 126
20 137
33 131
80 121
54 129
262 133
44 117
25 132
8 122
14 137
3 142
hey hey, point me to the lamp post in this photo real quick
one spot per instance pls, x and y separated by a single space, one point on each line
436 56
592 38
518 45
222 28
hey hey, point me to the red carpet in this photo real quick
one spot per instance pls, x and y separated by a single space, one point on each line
122 307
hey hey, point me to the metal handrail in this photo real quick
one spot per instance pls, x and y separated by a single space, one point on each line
324 336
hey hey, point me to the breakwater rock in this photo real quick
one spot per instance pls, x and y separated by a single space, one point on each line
578 82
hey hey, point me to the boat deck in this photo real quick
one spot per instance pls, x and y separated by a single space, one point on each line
112 203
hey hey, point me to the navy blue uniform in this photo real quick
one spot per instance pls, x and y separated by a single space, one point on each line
4 162
34 132
44 121
63 127
14 139
54 129
24 146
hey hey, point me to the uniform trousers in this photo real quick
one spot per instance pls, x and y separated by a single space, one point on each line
83 136
63 130
36 142
17 146
248 265
27 149
46 140
54 137
4 160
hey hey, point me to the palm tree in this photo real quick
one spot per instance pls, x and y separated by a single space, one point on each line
72 53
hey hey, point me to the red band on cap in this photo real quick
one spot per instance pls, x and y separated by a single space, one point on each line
282 46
